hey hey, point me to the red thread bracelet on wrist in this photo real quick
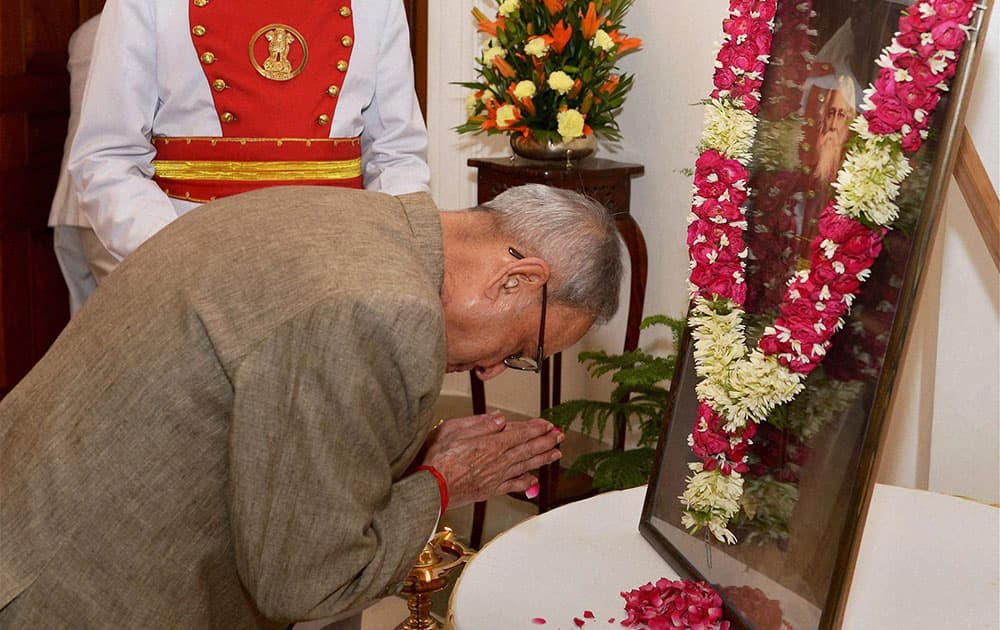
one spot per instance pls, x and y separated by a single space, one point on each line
442 485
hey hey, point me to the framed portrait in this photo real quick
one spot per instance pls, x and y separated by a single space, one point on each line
811 464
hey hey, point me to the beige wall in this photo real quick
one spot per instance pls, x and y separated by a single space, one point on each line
944 424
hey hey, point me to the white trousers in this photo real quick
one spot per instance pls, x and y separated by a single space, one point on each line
84 262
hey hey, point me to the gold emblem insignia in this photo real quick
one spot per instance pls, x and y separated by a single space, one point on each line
281 52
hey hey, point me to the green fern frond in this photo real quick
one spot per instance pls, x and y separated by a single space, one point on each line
616 470
639 399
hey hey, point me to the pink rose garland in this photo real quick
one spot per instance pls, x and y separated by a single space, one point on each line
915 68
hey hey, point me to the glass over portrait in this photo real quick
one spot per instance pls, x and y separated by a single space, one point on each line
783 558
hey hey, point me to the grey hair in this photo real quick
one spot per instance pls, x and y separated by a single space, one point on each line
574 234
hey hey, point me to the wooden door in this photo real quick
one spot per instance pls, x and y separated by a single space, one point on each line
34 107
416 13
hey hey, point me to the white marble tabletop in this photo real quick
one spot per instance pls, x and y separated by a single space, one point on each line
926 561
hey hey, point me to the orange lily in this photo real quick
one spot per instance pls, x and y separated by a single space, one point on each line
561 35
610 85
555 6
589 22
485 25
624 42
575 90
503 67
491 122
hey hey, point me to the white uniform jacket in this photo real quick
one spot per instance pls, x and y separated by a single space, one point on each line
146 80
65 207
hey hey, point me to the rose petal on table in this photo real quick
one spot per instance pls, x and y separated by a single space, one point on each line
539 621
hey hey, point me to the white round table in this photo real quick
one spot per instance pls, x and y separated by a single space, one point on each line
926 560
557 566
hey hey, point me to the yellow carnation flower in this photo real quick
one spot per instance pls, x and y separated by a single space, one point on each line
490 53
506 116
471 103
570 124
602 40
509 6
560 82
536 47
524 89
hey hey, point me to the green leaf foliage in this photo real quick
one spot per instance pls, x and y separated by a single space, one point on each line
638 402
616 470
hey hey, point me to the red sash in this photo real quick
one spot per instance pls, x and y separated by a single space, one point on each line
205 169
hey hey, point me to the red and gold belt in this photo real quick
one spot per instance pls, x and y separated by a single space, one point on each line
204 169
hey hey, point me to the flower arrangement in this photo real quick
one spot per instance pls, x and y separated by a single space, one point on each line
547 70
738 387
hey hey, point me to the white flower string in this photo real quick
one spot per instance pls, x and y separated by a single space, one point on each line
738 387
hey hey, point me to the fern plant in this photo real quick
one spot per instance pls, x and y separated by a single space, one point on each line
637 403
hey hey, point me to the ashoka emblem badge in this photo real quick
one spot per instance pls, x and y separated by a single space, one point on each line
278 52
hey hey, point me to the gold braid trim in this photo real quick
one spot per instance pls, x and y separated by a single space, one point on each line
213 170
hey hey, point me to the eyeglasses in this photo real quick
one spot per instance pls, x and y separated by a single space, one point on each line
526 364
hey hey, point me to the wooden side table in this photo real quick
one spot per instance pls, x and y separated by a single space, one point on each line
609 182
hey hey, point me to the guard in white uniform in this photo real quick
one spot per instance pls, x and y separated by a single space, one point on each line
215 97
81 256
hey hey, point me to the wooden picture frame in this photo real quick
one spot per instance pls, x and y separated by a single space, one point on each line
793 561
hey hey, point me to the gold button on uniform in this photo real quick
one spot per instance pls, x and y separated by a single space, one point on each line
228 117
342 65
198 30
346 41
323 120
200 3
345 11
333 90
218 85
207 57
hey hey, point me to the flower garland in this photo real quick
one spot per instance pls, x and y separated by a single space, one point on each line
738 387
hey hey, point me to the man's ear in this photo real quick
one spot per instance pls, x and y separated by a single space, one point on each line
525 274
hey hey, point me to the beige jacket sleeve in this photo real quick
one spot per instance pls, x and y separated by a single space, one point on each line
329 412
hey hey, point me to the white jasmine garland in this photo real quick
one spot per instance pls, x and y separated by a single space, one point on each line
869 180
711 499
729 130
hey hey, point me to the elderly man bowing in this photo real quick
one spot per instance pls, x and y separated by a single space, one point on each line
236 431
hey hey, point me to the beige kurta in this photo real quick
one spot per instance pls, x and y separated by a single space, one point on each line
221 434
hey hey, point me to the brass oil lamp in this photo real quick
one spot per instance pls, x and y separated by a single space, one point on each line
430 575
